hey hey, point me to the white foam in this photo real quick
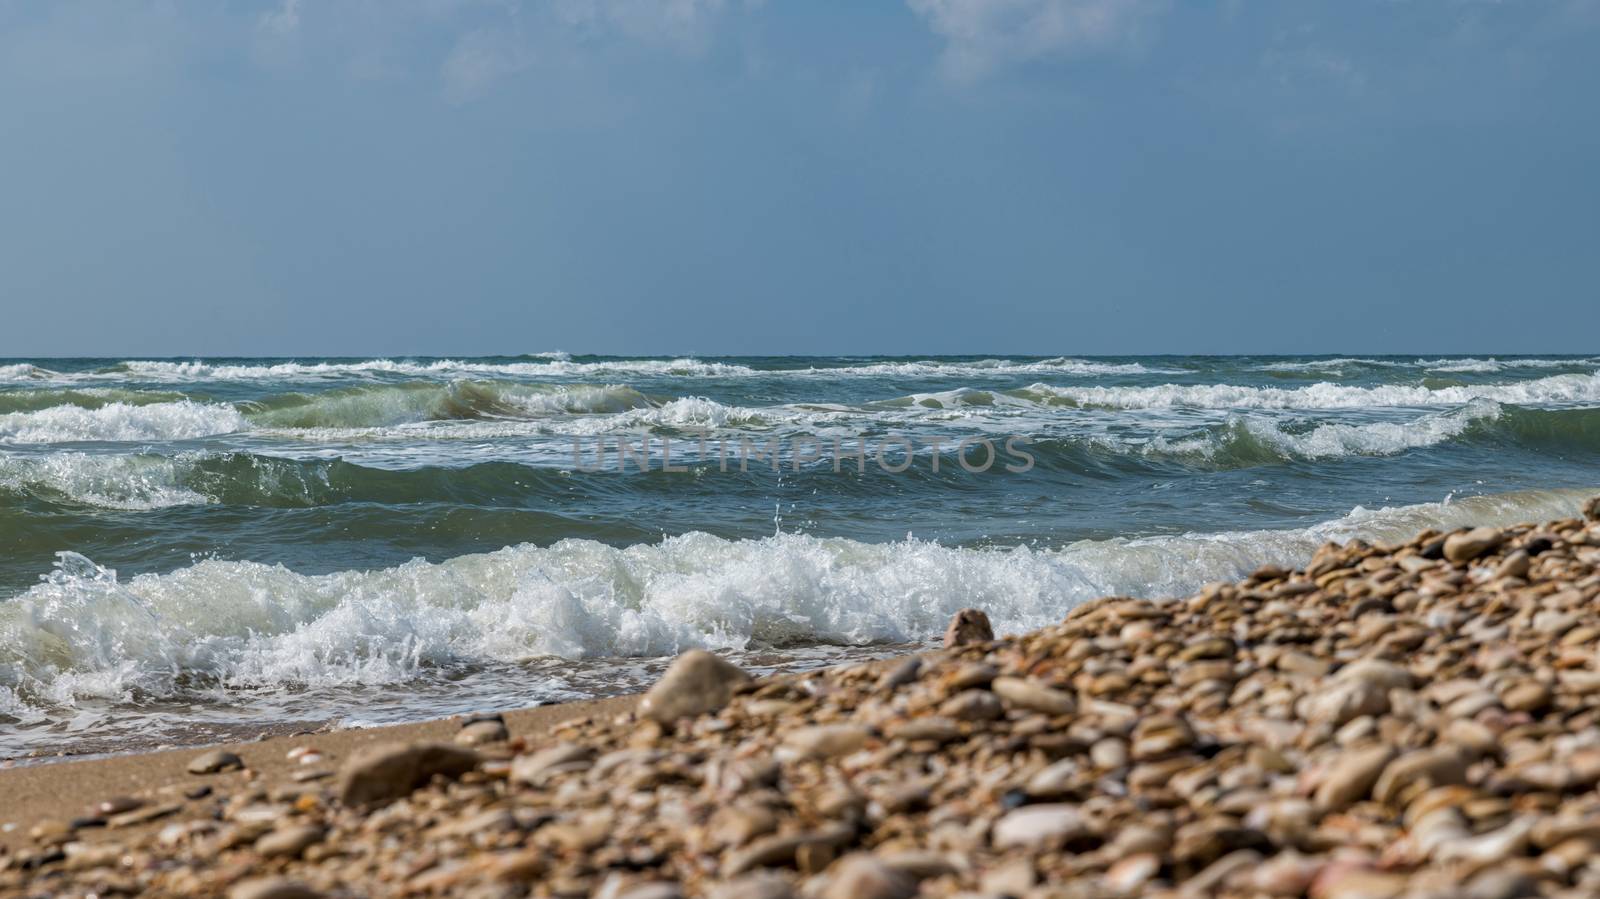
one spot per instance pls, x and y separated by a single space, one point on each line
1324 441
1497 365
982 367
109 482
22 371
86 633
1566 388
1463 364
182 420
554 365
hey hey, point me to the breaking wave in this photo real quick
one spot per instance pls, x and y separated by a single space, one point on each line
1565 388
418 401
121 421
85 633
553 364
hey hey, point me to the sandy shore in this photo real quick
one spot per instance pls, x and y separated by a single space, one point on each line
1399 722
64 790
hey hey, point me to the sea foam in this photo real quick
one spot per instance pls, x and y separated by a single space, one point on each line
122 422
1565 388
85 633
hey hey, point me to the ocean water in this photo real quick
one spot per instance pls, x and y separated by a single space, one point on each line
203 549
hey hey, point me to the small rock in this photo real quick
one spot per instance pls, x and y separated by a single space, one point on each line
535 768
783 849
972 705
1034 824
1053 780
1526 696
1518 564
1465 547
930 729
1131 873
1501 883
1346 881
143 815
1012 878
1215 877
1386 675
390 771
289 842
862 876
826 741
656 890
272 888
115 806
1487 848
1351 776
1344 701
480 732
972 675
524 866
1416 772
1111 752
904 673
764 885
1033 696
1286 874
215 762
696 683
736 825
967 627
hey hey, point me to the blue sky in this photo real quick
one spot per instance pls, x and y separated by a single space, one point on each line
367 177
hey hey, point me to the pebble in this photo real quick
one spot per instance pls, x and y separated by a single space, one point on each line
862 876
972 705
1032 696
827 741
532 769
967 627
389 771
479 733
215 762
1038 824
1465 547
754 886
115 806
272 888
696 683
143 815
1130 874
1351 777
289 842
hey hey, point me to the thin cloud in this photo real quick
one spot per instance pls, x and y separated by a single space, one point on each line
683 23
283 20
479 59
984 35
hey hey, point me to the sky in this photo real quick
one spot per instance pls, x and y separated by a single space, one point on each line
473 177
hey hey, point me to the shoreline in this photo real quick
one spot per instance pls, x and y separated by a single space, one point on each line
1400 721
33 791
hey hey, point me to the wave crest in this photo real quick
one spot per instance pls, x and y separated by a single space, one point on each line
121 422
86 633
1565 388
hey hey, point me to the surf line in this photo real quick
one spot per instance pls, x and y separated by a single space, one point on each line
891 453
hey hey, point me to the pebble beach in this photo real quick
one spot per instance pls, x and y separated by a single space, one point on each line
1411 720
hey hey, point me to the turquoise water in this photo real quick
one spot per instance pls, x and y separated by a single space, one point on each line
188 546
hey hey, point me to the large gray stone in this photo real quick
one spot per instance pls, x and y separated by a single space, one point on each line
390 771
696 683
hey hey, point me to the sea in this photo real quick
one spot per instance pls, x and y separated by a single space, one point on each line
195 550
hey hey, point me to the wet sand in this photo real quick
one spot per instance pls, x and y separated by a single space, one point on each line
64 790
